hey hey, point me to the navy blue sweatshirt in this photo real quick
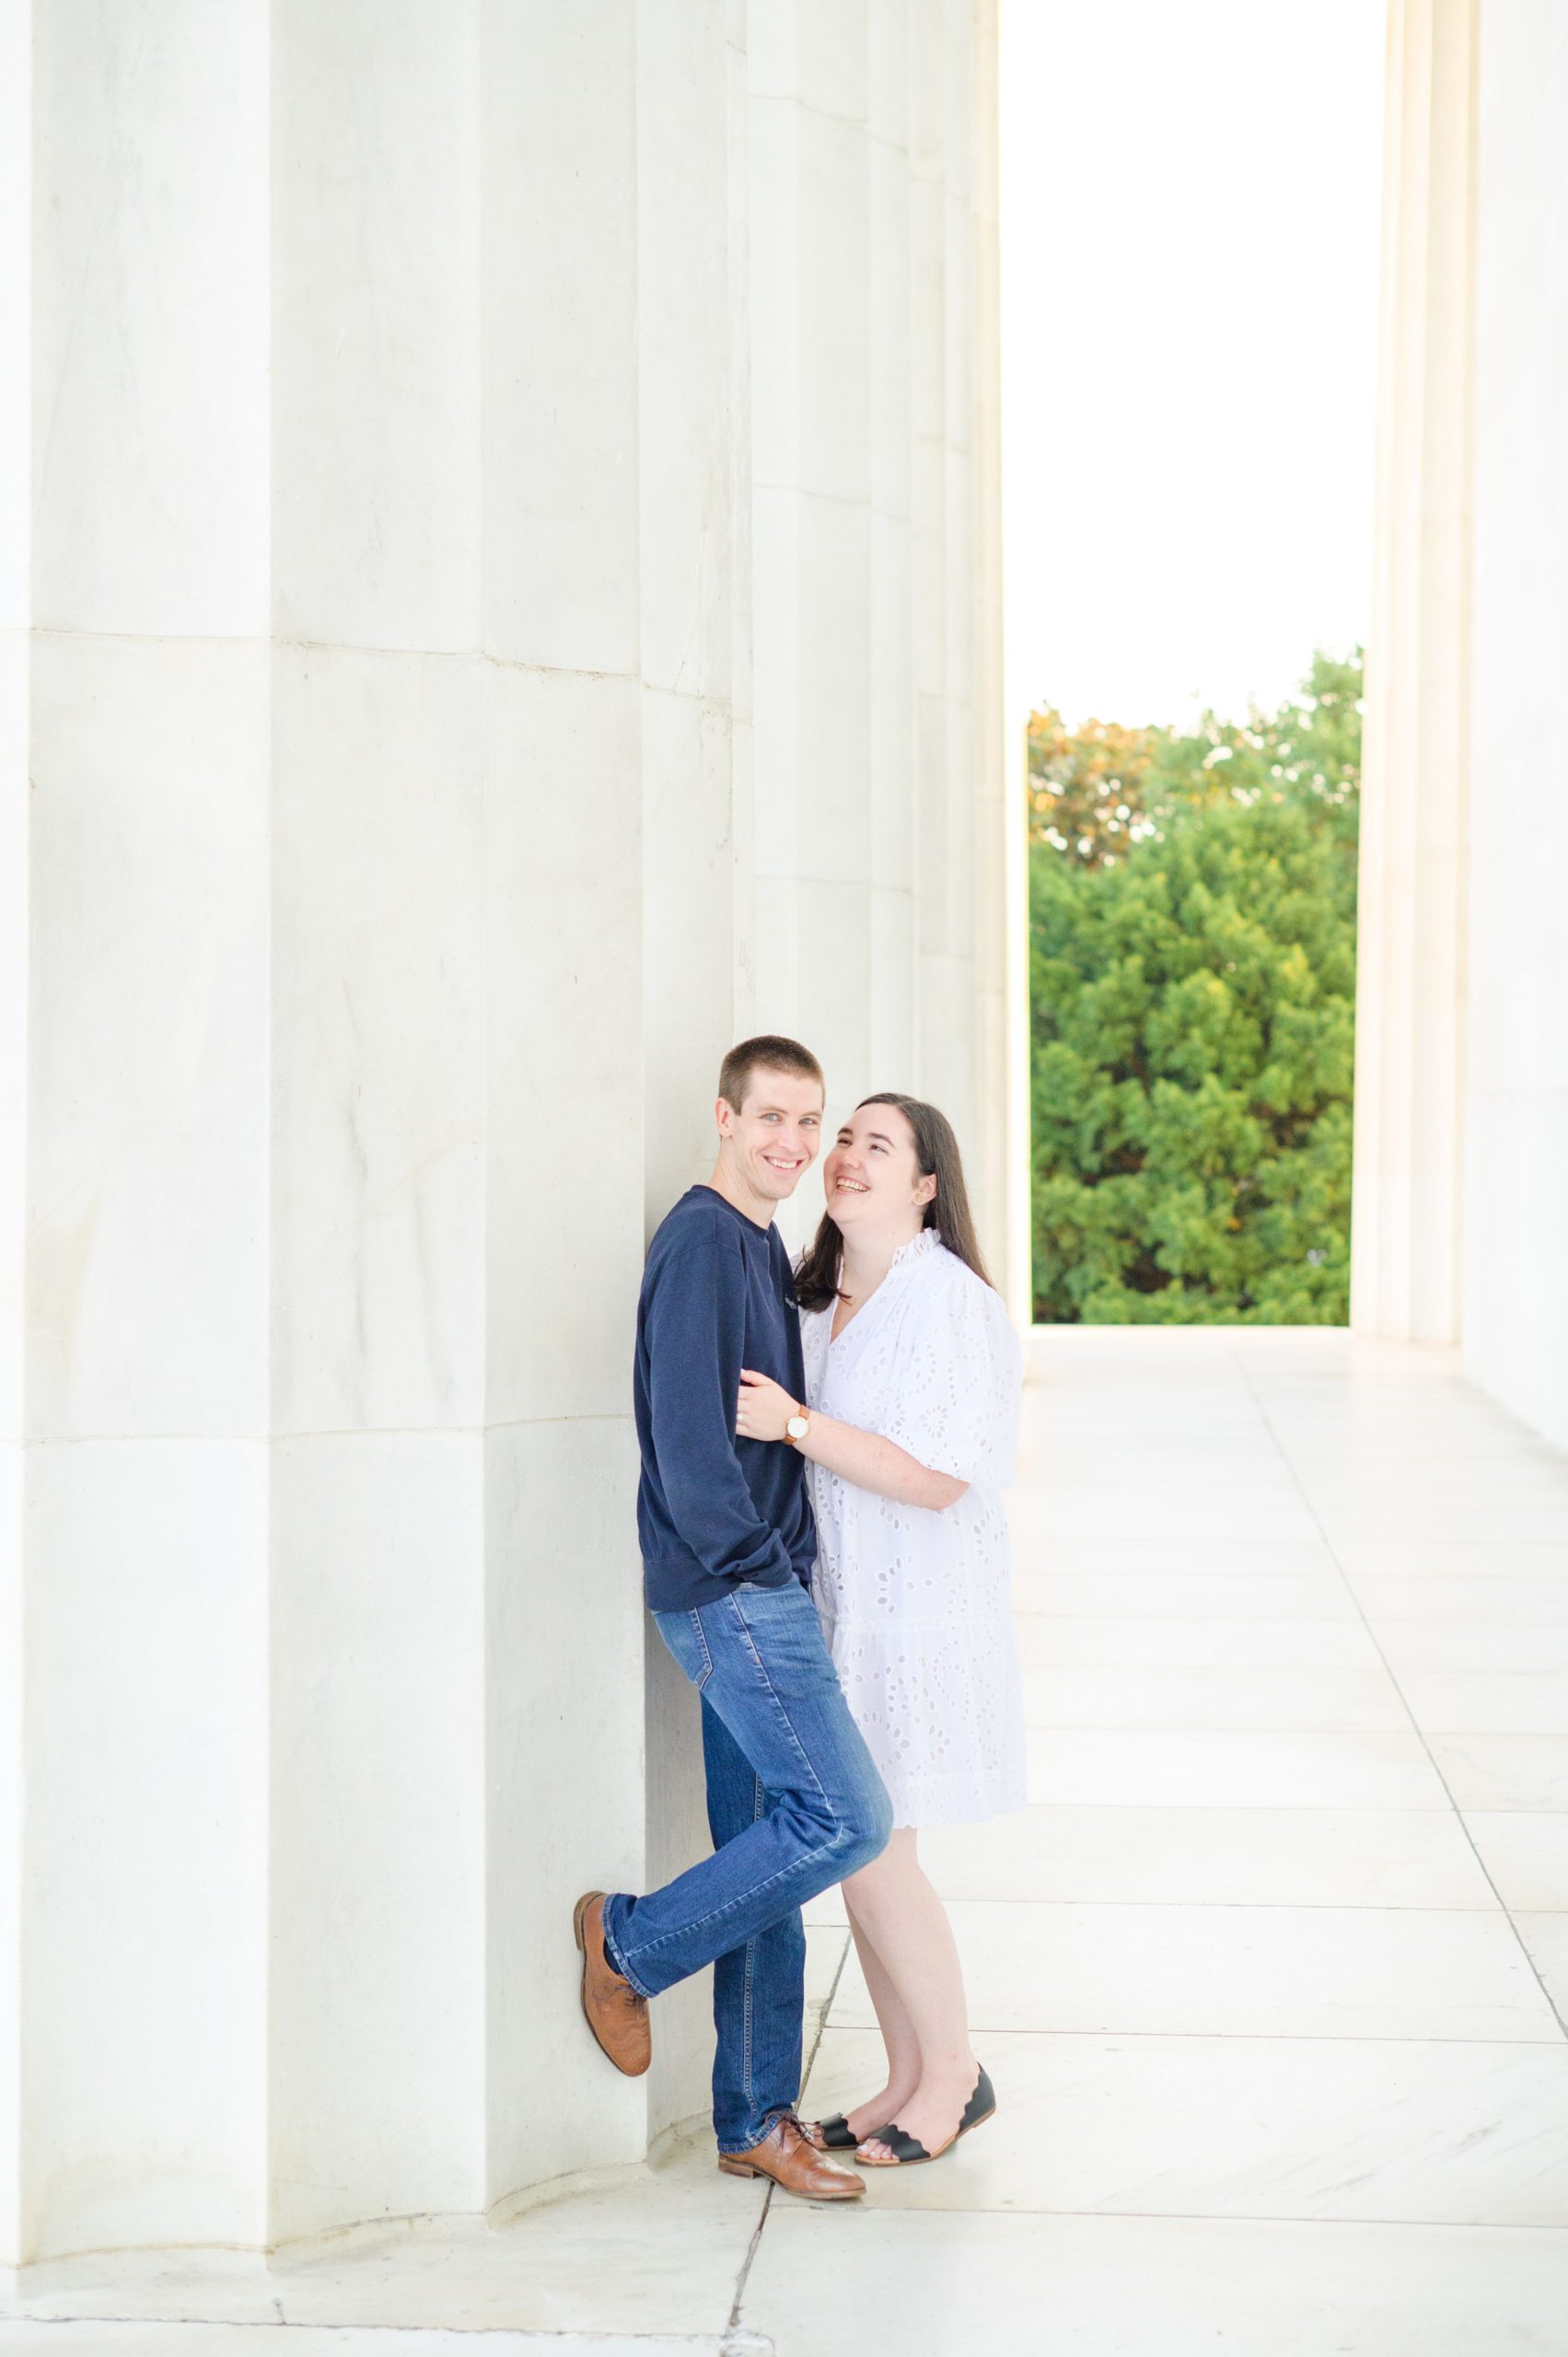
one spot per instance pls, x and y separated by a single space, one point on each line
713 1510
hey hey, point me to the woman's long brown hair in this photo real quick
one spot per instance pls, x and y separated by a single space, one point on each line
936 1155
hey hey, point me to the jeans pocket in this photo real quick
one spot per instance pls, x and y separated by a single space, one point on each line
687 1644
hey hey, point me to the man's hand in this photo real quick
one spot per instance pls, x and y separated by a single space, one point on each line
764 1408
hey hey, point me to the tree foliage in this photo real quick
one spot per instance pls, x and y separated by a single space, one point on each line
1193 978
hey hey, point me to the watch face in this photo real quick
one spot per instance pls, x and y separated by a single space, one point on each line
797 1428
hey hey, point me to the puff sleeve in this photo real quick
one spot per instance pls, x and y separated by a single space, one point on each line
956 1389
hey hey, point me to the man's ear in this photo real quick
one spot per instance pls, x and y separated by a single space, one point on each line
723 1114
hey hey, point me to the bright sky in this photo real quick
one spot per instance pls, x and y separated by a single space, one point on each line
1189 225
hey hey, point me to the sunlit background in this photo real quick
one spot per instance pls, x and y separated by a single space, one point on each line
1189 310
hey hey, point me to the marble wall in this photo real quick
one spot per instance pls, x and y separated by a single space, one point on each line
507 600
1406 1255
1516 1308
881 861
1462 1073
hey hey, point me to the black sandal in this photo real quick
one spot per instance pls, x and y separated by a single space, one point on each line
907 2150
836 2133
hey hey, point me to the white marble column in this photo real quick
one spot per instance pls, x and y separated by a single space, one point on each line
376 2055
892 981
15 532
564 880
1410 1010
697 867
400 860
810 330
1515 1288
143 2022
1000 984
878 805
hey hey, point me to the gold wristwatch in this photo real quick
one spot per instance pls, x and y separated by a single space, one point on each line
797 1426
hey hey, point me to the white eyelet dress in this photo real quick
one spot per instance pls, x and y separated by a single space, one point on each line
916 1606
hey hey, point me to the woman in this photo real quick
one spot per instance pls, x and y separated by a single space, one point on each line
912 1380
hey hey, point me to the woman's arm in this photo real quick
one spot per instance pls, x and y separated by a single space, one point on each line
865 1458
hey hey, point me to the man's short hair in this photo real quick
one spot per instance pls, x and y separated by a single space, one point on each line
770 1052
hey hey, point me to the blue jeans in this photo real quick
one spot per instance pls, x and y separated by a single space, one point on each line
794 1804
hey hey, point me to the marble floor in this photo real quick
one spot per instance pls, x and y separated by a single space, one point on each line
1271 1975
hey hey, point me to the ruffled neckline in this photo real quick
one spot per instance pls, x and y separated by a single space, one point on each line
918 1246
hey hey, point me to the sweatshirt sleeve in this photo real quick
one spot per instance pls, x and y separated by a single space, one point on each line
694 1329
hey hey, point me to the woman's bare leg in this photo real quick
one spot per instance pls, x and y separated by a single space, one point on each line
893 1905
898 2037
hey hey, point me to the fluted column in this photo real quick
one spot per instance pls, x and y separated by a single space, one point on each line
565 1016
143 1986
377 2054
1410 1011
1516 1324
882 930
16 550
402 852
696 836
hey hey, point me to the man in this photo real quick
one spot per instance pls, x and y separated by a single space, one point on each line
795 1803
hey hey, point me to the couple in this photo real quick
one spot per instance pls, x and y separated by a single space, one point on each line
826 1557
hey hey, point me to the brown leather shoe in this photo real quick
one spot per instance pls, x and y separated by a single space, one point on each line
611 2007
794 2162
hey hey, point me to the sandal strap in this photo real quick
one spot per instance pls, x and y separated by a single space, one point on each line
903 2147
836 2133
981 2104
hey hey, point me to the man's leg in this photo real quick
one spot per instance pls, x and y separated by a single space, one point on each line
758 1658
759 1989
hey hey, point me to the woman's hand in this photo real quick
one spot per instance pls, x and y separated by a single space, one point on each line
865 1458
764 1408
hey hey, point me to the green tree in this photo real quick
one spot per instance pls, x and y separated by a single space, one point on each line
1192 980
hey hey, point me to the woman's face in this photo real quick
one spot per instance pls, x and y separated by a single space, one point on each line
871 1176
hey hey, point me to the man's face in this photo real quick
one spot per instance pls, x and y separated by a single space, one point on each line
774 1137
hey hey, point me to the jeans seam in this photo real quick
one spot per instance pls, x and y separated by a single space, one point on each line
774 1696
631 1978
716 1914
759 1796
807 1858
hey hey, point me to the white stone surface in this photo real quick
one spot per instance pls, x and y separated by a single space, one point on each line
376 324
1211 1969
878 793
643 2252
378 1036
1516 1260
1160 2287
144 1939
1284 2078
1462 1077
1220 1856
1405 1246
560 386
333 2340
1206 1768
150 421
147 1113
379 632
564 1238
16 514
376 2034
1383 2130
564 1626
